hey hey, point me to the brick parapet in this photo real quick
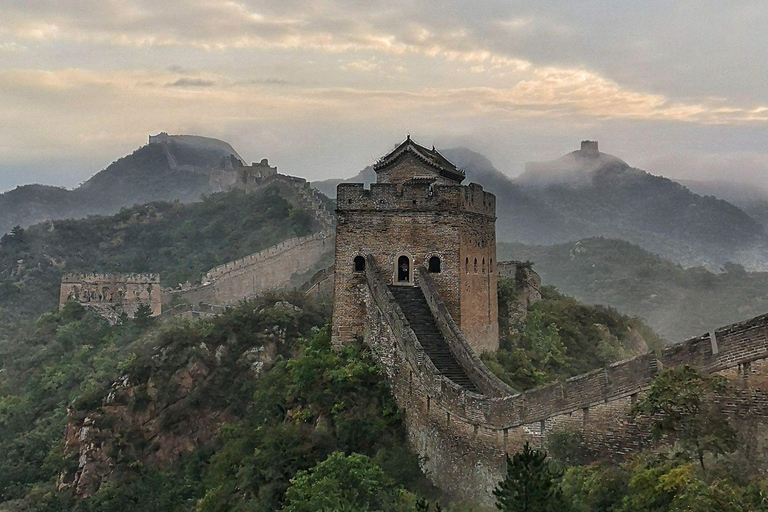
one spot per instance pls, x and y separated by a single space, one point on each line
484 379
261 256
272 268
464 436
418 196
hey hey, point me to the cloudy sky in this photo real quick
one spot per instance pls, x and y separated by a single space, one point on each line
322 88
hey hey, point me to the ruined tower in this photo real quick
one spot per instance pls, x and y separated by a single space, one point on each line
418 218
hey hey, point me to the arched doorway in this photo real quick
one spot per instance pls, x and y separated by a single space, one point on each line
403 269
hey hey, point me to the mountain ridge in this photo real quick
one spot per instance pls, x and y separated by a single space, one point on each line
176 169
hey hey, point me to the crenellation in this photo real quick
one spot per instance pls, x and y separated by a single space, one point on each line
463 435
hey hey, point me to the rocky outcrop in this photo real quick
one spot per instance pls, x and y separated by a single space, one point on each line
527 288
164 407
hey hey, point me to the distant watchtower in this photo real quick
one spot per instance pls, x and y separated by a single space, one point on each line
589 147
418 216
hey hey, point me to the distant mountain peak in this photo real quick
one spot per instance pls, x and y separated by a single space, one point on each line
577 168
197 142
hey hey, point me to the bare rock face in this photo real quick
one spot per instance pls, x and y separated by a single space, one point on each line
527 287
154 415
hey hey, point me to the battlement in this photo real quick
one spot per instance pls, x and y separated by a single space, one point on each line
132 278
266 254
111 294
589 147
160 138
421 196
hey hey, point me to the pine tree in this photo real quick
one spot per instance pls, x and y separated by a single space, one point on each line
531 484
143 316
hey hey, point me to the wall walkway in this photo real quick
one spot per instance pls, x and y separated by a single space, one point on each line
464 436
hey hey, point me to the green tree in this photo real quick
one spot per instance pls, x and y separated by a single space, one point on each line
531 484
345 483
683 403
143 316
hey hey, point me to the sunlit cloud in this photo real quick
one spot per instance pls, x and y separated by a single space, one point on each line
82 72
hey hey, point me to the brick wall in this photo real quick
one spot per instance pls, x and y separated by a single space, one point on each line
271 268
112 289
464 436
420 221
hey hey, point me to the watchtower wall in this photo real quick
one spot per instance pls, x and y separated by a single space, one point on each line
419 220
112 289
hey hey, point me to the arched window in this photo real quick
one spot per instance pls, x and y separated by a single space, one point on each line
490 266
359 264
475 266
483 271
403 269
466 266
434 265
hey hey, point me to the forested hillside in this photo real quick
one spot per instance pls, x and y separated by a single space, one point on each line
181 241
249 410
556 337
249 399
676 302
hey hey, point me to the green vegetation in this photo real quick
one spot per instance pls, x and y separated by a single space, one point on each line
671 477
681 407
560 338
181 241
678 303
353 483
302 418
68 357
530 485
683 403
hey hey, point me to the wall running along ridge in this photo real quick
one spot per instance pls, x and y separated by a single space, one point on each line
269 269
273 267
464 436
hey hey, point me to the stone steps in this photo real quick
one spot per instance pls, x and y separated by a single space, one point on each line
419 316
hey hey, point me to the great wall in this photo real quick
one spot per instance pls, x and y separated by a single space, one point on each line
293 263
271 268
461 419
464 435
290 263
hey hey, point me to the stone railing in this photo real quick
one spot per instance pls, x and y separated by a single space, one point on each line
422 366
484 379
728 347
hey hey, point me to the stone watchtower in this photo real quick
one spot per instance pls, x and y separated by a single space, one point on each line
418 217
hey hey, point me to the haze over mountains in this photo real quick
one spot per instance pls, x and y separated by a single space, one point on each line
178 170
587 193
583 194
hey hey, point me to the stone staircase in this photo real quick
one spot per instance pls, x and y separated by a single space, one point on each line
419 316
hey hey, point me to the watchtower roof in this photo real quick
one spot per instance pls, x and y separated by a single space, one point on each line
430 157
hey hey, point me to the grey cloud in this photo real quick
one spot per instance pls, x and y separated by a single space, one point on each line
191 82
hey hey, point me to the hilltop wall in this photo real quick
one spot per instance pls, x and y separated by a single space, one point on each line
464 436
271 268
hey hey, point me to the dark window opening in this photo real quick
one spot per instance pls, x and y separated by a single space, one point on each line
403 269
490 267
434 265
359 264
475 266
483 265
466 266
